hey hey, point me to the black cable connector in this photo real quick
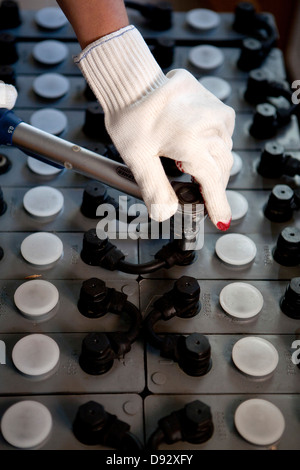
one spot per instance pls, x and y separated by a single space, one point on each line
99 350
260 87
192 352
192 424
95 426
268 119
159 16
262 36
94 195
101 252
274 162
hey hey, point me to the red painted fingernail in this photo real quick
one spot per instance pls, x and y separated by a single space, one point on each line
222 226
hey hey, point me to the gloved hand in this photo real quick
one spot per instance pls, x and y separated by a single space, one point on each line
149 114
8 95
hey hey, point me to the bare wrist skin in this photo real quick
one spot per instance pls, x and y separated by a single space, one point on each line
93 19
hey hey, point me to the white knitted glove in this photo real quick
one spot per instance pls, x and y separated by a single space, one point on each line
8 95
149 114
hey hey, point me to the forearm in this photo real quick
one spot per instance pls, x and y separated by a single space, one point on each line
92 19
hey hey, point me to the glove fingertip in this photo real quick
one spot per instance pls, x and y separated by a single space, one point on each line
223 226
218 209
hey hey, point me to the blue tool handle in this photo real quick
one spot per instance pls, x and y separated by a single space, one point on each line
9 121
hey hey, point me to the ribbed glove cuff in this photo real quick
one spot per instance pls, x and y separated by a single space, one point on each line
120 69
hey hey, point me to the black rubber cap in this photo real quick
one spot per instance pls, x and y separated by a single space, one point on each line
279 207
290 302
95 358
187 288
163 52
271 161
8 49
95 193
94 125
251 56
244 17
194 354
7 74
93 289
257 83
287 250
159 15
264 125
93 292
89 422
5 164
9 14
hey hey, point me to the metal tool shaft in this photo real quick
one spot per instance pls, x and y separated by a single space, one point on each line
74 157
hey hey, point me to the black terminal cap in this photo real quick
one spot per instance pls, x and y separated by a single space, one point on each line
159 15
187 288
93 293
5 164
94 194
257 86
244 17
3 205
1 253
264 124
94 125
271 161
194 354
279 207
199 426
287 250
93 247
163 51
9 14
94 426
8 49
297 198
97 356
7 74
89 94
251 56
89 422
290 302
